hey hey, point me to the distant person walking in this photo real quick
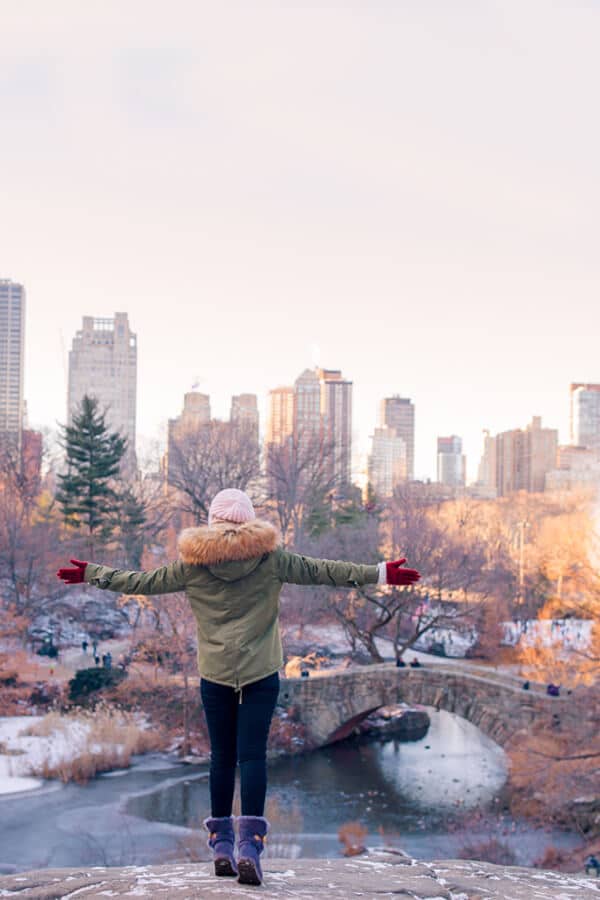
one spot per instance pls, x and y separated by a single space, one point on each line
232 571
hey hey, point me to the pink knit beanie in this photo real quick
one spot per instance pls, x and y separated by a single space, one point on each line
231 505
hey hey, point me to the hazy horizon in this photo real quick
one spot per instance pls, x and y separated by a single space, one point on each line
404 191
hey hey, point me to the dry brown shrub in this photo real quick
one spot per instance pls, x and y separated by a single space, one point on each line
554 766
164 703
14 701
551 664
492 851
30 667
287 735
352 836
113 737
47 726
161 702
553 858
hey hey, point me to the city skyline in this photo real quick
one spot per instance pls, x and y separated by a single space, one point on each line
151 427
103 364
360 455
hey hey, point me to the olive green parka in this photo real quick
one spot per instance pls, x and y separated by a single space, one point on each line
232 576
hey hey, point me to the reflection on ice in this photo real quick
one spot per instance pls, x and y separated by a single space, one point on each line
454 765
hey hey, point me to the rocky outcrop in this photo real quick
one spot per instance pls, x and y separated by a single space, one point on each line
397 722
375 875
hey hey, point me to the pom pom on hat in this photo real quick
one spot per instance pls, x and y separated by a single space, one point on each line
231 505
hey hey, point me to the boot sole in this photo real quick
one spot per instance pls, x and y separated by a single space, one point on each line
223 867
247 872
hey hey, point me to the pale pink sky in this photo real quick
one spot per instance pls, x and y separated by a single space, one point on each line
405 190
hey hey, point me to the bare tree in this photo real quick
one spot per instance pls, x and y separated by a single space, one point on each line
208 459
417 616
170 642
363 613
140 520
30 543
444 540
300 482
554 770
402 615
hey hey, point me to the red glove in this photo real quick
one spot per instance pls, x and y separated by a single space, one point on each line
73 576
397 575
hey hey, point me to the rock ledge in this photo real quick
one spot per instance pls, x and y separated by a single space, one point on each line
376 875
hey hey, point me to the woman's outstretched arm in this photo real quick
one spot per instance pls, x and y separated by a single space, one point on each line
164 580
297 569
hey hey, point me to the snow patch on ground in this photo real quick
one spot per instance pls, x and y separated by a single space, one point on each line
333 637
14 768
20 754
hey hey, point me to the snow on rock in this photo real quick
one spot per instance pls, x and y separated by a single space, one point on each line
380 875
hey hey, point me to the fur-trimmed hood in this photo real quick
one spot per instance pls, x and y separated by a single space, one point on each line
225 542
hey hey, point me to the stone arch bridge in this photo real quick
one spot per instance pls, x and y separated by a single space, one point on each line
331 703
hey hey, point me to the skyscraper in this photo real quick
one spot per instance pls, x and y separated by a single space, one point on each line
486 476
307 406
387 461
585 415
336 414
577 469
315 413
12 350
103 364
244 414
451 468
279 435
399 413
280 419
521 458
541 451
195 414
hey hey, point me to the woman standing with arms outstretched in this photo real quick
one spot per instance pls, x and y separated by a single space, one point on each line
232 572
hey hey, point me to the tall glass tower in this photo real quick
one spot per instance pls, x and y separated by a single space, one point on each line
12 351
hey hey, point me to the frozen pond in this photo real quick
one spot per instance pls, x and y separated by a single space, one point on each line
431 797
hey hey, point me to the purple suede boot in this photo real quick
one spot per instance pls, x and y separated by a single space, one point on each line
221 840
252 836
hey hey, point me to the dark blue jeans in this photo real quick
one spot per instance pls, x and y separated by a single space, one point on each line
238 732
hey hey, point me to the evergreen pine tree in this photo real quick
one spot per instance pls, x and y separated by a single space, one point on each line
94 453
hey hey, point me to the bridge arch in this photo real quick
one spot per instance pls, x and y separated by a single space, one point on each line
331 703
